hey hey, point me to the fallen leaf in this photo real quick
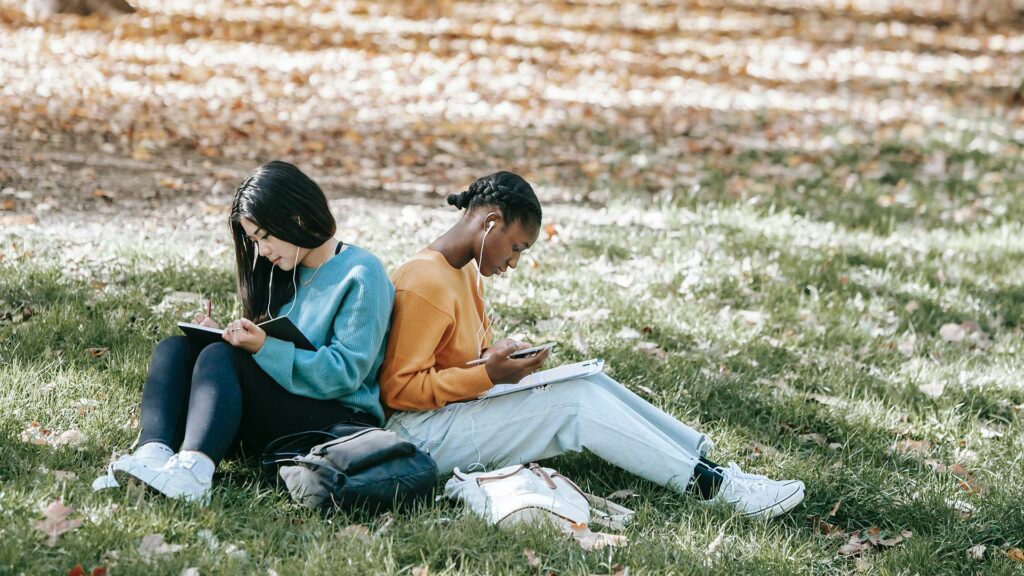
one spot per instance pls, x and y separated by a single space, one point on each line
193 571
153 545
953 333
977 552
714 549
72 438
34 433
531 558
763 450
1015 554
56 521
829 400
827 529
933 389
97 352
77 571
815 437
551 231
355 531
916 446
627 333
852 548
835 507
600 540
751 317
619 494
651 350
422 570
964 508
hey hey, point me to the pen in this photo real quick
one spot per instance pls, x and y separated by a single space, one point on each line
209 307
476 362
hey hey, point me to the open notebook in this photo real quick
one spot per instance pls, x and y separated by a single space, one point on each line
281 328
558 374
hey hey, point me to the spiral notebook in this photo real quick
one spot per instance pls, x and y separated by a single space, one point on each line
558 374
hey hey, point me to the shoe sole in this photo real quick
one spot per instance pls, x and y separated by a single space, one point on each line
147 476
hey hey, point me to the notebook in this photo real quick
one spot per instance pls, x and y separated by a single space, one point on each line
558 374
280 328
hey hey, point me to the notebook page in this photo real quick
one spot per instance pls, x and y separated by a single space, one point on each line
557 374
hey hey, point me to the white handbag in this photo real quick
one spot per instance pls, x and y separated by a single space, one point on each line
531 494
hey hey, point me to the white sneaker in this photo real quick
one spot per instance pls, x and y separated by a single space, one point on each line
757 495
146 456
187 475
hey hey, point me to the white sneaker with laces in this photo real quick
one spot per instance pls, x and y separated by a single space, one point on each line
151 456
187 475
757 495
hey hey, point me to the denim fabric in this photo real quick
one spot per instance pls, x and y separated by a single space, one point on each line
594 413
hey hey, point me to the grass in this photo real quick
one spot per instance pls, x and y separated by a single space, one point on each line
805 324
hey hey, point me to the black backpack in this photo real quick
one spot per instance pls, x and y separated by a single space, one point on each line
351 467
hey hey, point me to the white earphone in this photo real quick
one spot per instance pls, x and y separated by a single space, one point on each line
480 285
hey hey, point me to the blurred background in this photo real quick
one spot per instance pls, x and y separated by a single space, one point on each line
686 101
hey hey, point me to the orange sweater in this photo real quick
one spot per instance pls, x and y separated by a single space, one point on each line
436 325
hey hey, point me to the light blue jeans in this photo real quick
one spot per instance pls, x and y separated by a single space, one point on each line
595 413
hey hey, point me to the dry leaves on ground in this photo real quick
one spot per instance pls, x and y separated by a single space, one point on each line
154 545
977 553
964 478
589 540
34 433
96 571
56 521
872 539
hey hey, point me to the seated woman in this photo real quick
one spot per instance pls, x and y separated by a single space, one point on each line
200 403
439 324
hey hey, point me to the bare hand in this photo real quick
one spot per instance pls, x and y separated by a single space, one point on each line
244 334
504 370
204 320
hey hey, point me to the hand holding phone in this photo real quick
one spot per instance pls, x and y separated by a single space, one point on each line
532 350
523 353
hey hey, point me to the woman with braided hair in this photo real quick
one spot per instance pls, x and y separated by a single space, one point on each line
439 324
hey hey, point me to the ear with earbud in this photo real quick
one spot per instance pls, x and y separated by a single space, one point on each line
490 225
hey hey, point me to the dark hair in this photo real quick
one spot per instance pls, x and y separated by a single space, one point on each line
287 204
506 190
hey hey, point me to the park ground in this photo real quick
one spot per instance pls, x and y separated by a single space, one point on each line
794 225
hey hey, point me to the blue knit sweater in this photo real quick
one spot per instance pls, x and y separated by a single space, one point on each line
345 312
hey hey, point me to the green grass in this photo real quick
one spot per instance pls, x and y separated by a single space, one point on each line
779 319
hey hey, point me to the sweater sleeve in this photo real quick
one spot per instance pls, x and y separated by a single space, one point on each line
409 379
339 367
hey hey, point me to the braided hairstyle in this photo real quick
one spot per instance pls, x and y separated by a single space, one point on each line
506 190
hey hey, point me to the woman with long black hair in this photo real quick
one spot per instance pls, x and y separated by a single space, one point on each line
201 403
439 325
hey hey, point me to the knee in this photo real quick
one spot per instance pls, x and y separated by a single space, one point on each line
215 355
173 346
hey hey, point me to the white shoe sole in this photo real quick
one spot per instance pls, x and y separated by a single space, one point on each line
151 479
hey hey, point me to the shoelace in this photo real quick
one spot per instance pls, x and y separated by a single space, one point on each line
738 473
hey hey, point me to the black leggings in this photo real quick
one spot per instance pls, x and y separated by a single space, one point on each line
215 399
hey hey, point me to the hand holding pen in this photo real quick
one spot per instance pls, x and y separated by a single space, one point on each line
206 320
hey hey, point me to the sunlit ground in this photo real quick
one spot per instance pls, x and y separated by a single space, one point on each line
795 225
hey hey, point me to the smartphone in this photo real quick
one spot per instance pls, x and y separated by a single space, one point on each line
532 350
518 353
